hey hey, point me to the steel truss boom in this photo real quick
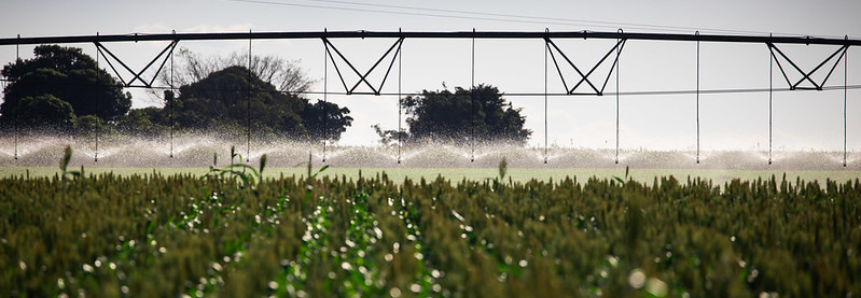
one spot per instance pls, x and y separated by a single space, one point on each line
136 37
587 78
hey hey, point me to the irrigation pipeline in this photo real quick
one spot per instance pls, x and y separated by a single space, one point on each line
138 37
620 36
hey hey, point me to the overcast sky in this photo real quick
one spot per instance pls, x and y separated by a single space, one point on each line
802 120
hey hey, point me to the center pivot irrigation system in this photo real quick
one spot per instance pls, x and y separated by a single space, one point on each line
586 84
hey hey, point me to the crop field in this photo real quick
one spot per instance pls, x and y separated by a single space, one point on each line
198 235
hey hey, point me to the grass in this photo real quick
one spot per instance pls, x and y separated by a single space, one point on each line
646 176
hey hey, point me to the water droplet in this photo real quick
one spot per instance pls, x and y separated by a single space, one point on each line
613 261
395 292
637 278
435 273
416 288
656 287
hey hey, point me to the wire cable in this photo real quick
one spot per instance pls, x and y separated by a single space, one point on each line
98 97
546 49
488 16
845 97
509 94
698 97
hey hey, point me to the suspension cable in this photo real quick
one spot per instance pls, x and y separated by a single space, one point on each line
325 94
618 67
845 96
546 49
698 96
170 102
15 111
400 75
472 101
770 101
98 97
248 123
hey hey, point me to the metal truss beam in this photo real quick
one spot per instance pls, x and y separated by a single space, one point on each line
363 78
137 75
136 37
620 44
806 76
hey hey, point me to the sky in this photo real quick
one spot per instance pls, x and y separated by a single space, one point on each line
802 120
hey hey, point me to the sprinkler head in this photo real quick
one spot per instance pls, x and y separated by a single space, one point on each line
769 161
171 155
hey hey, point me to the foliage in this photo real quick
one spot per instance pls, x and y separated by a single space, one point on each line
390 137
147 122
67 74
248 175
503 168
328 127
456 116
45 112
220 101
284 75
159 236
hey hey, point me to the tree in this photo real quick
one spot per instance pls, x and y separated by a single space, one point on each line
220 101
325 120
457 116
281 73
68 75
45 112
146 121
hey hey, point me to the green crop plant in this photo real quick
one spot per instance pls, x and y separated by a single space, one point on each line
240 171
169 236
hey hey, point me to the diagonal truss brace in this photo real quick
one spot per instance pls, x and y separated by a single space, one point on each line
137 75
806 76
551 46
363 78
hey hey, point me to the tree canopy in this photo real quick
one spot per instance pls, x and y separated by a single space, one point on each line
451 116
220 101
67 75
